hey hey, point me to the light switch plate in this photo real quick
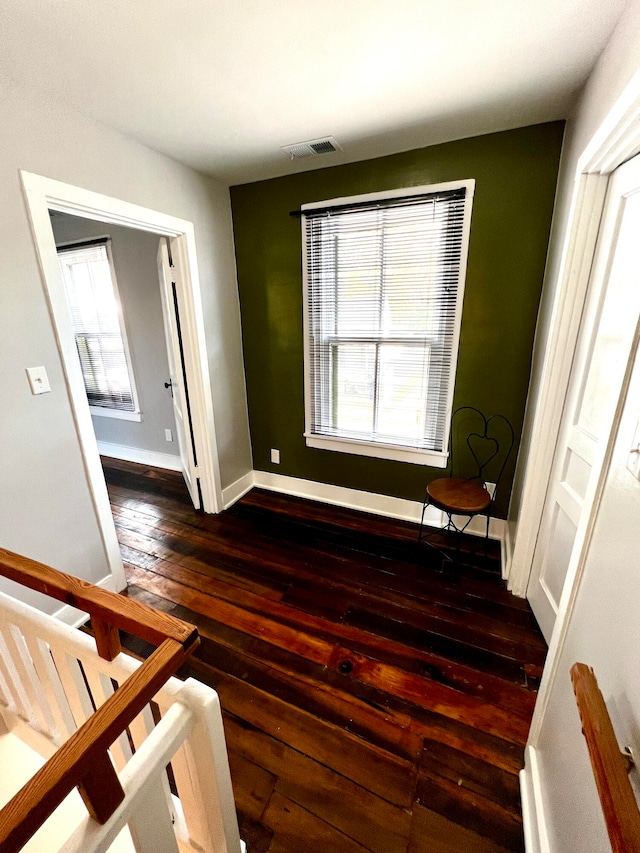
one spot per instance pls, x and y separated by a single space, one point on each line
38 380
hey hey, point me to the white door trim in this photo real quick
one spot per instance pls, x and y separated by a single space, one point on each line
180 402
43 194
608 322
617 139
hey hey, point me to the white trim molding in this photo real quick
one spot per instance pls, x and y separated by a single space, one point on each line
196 364
236 490
44 194
154 458
617 139
377 450
587 206
536 839
118 414
345 497
355 499
507 547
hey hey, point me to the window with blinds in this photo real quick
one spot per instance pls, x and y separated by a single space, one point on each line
95 315
384 280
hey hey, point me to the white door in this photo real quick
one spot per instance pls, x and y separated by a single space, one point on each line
602 352
603 631
179 390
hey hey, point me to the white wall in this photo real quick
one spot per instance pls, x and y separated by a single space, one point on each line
603 630
604 633
45 504
134 261
617 64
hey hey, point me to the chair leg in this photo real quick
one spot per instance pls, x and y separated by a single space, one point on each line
456 531
486 535
424 509
458 541
424 538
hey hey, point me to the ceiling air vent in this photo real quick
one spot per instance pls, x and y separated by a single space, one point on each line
312 148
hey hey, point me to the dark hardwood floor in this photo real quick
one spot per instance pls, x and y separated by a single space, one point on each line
371 701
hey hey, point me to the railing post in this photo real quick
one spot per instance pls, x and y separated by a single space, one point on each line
83 760
107 638
100 788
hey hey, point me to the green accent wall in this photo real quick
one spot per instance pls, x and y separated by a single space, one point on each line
515 173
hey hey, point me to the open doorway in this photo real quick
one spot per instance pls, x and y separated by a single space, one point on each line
111 281
44 195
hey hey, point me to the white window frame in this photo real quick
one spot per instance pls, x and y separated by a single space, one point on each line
436 459
106 411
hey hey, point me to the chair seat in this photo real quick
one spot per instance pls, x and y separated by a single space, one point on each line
454 494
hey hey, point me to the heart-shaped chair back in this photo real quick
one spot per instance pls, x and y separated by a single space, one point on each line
483 448
480 446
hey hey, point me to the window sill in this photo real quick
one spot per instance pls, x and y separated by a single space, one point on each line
379 451
119 414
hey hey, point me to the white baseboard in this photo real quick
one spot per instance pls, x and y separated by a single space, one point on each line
507 548
369 502
536 839
74 617
342 496
143 457
236 490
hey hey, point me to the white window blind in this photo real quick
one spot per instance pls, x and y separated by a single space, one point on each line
95 316
384 280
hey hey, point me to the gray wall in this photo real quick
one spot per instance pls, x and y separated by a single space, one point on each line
46 510
134 261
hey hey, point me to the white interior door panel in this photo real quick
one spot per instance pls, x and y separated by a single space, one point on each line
602 352
179 390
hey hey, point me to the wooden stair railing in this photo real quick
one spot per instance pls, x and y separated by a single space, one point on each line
610 765
82 761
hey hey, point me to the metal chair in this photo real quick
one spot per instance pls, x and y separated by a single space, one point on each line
479 450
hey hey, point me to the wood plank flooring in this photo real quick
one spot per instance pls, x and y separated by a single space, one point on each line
372 702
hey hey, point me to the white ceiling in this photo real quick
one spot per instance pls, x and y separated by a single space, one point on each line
222 84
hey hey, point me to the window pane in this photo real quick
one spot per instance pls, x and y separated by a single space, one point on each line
358 284
402 392
95 318
354 368
383 283
104 368
412 277
91 296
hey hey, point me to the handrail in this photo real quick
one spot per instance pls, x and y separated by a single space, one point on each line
617 799
82 761
105 608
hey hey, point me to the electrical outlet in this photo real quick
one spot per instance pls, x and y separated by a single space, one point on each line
491 488
168 435
275 456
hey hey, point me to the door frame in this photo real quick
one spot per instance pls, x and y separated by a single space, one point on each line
43 194
615 142
605 287
180 402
